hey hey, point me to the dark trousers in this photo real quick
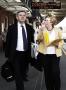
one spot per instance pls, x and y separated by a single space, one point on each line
51 70
21 68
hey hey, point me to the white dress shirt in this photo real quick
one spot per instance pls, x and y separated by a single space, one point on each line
20 37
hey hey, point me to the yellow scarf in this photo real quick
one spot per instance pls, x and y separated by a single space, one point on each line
46 37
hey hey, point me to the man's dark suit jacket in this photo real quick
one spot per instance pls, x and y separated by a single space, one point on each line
11 40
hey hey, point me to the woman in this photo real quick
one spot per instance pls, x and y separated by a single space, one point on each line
49 54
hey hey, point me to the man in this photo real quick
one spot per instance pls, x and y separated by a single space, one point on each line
18 47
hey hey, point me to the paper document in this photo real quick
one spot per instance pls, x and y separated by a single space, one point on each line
55 42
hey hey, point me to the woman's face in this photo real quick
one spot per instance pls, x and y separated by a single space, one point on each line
48 23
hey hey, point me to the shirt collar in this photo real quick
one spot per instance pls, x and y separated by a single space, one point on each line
19 24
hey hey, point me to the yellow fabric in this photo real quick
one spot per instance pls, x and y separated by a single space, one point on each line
42 47
46 37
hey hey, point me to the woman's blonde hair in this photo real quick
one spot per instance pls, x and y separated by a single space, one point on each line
53 19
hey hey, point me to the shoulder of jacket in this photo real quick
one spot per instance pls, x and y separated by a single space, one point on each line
10 26
28 25
57 29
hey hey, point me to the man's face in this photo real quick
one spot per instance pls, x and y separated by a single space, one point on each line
21 17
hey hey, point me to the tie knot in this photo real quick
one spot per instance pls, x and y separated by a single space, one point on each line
22 26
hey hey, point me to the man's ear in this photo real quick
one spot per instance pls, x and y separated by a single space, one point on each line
16 17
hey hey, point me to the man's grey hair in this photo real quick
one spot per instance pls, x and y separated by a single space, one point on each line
21 11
